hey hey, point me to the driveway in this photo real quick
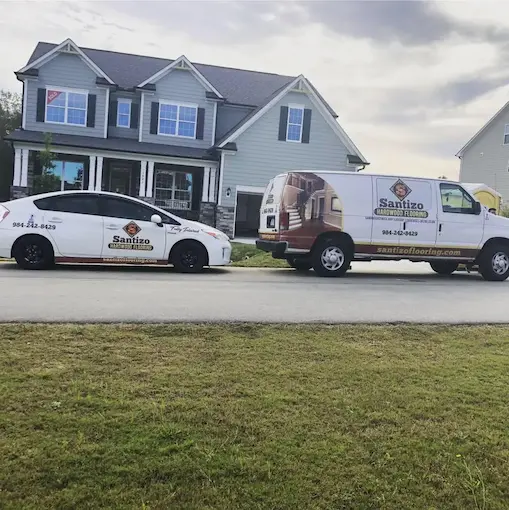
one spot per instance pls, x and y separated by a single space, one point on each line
371 292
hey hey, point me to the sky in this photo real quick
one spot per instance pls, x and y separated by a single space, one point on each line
411 81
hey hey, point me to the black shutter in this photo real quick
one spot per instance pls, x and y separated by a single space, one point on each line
92 99
154 118
135 113
112 115
283 122
200 123
306 126
41 105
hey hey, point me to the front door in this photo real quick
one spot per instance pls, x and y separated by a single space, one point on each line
458 225
120 180
129 235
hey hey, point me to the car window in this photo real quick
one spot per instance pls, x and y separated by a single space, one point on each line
77 204
456 200
115 207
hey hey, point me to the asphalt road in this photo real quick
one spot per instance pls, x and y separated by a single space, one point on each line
371 292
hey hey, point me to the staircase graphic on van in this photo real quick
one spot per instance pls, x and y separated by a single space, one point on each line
294 219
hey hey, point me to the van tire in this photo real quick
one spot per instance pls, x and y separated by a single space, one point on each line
299 263
444 267
328 249
33 252
188 257
494 263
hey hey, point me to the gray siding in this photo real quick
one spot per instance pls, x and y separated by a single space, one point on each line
182 87
487 159
120 132
228 117
261 155
66 71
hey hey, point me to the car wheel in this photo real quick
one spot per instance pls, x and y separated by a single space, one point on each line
331 257
34 252
444 267
299 263
189 257
494 263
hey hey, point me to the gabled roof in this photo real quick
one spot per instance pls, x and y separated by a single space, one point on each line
237 86
184 63
67 46
304 84
460 153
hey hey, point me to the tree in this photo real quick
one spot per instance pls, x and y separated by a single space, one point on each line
47 181
10 119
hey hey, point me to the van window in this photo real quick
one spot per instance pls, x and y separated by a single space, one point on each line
456 200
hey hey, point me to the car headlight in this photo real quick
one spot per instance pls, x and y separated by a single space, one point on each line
217 235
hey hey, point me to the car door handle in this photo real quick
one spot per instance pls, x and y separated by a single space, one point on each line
55 220
440 227
112 227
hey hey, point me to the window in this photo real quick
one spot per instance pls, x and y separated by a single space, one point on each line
66 107
124 113
456 200
335 205
65 175
294 126
506 134
173 190
130 210
177 120
77 204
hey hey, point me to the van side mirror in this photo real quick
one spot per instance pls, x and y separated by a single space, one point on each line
477 207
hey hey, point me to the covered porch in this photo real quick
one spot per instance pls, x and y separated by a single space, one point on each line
184 186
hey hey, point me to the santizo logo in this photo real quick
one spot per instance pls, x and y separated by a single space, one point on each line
133 242
401 206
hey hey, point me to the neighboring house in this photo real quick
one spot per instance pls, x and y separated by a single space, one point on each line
485 157
198 140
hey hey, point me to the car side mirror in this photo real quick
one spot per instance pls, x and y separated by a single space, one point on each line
155 218
477 207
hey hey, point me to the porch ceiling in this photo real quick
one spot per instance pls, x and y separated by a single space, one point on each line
113 144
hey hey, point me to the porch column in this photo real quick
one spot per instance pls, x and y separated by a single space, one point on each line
206 184
91 174
143 178
99 174
212 185
24 168
16 180
150 180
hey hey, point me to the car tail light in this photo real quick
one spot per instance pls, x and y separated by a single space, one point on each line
4 212
284 220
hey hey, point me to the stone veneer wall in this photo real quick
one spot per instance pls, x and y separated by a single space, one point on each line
225 220
207 216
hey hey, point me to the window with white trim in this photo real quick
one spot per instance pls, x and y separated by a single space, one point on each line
506 134
173 190
294 125
124 113
177 120
66 107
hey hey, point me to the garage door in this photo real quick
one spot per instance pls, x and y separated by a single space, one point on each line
247 215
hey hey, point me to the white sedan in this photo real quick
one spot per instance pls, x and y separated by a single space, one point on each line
105 228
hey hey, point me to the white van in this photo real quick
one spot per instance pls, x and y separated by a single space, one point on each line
324 220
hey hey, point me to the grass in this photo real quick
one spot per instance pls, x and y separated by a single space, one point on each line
254 417
246 255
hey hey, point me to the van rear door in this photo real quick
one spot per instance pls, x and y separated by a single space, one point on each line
270 208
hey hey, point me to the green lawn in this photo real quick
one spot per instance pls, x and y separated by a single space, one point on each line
246 255
254 417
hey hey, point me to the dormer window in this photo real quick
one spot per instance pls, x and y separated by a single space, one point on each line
177 120
294 125
124 113
65 106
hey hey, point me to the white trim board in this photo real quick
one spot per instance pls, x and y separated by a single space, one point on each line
251 189
327 115
176 64
70 47
118 155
